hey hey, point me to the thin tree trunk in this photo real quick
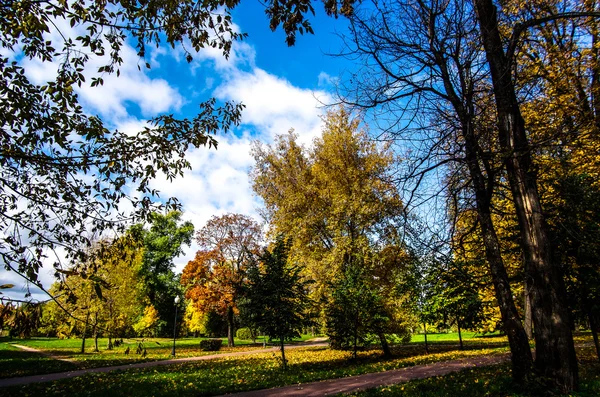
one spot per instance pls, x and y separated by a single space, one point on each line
283 360
594 327
521 358
96 332
87 319
426 344
384 345
459 334
355 334
483 186
555 351
528 317
230 326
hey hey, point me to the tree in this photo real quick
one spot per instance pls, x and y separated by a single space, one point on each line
431 55
105 295
336 199
275 298
213 279
555 350
455 294
356 311
162 243
48 142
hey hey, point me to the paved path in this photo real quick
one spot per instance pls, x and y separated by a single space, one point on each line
377 379
24 380
43 353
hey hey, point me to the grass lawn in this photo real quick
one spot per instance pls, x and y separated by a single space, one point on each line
452 336
262 370
16 362
231 374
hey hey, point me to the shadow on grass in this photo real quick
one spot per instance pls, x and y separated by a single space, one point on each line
15 363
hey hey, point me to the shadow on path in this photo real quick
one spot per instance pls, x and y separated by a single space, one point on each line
372 380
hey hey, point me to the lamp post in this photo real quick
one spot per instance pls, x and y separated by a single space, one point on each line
175 325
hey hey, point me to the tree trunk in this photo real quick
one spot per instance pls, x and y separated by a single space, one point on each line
426 344
521 358
528 317
96 332
283 360
384 345
594 327
230 327
555 351
355 348
87 319
459 334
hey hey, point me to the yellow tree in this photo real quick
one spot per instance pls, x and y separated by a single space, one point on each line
337 198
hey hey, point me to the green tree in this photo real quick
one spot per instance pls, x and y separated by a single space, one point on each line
356 312
275 298
162 243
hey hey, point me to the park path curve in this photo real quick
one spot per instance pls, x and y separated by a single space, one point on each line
377 379
25 380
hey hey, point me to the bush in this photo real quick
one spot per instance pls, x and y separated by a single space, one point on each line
210 345
245 334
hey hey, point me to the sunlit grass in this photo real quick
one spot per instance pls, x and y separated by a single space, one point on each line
231 374
492 381
307 364
70 349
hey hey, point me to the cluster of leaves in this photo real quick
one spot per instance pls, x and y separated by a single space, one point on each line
49 143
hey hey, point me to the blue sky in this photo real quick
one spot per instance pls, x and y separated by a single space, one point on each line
282 88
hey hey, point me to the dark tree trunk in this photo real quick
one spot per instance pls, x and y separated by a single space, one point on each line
555 351
96 333
384 345
483 187
283 360
355 347
528 317
426 344
230 327
594 327
87 319
459 334
521 358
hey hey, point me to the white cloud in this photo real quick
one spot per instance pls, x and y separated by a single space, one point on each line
218 182
133 85
274 105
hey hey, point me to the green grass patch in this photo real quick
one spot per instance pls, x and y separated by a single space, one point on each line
16 362
467 336
232 374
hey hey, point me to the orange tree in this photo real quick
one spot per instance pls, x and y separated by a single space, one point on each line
213 279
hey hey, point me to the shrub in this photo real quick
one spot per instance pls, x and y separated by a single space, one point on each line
245 334
210 345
